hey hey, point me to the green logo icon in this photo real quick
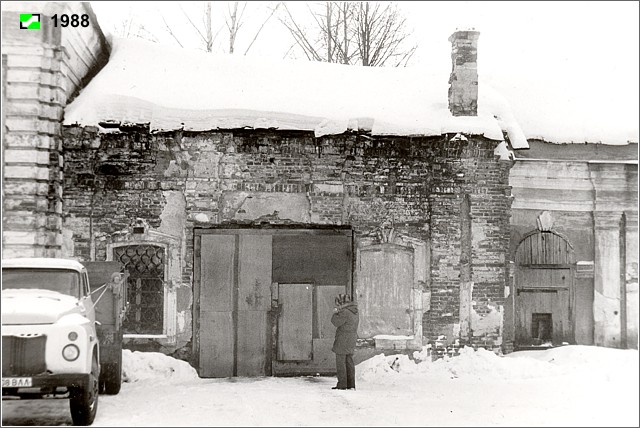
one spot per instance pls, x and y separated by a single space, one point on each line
29 21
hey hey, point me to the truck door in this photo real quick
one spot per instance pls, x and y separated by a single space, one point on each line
86 300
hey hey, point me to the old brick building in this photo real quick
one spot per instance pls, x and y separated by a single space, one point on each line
241 205
259 228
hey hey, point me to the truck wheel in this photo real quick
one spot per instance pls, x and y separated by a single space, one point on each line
111 378
84 402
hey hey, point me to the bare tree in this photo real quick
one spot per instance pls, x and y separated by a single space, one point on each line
364 33
381 35
205 32
234 18
207 26
255 37
234 22
131 28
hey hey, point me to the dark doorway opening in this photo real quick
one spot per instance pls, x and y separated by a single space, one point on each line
541 328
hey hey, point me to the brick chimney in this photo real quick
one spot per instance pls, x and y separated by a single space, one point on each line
463 89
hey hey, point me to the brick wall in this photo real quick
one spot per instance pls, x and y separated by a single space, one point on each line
415 185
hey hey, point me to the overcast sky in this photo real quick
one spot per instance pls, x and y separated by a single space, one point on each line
591 36
585 53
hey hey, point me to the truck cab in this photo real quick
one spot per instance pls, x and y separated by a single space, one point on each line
50 335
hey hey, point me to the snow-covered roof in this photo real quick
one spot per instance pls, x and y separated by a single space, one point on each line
172 88
42 262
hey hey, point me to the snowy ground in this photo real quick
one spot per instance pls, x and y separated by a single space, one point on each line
568 386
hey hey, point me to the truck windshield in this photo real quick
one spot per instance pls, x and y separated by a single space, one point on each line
62 281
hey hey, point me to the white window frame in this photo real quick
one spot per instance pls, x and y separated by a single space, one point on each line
172 275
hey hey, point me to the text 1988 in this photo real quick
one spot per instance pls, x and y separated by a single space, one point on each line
74 20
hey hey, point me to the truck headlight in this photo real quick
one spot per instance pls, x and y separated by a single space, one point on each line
70 352
73 336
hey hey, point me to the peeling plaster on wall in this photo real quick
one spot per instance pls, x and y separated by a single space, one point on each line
426 301
328 188
202 218
456 330
226 166
173 169
182 322
345 201
314 217
209 165
450 335
283 206
466 291
230 203
173 217
67 243
490 323
478 234
184 303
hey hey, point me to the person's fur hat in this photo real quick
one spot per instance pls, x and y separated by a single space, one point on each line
342 299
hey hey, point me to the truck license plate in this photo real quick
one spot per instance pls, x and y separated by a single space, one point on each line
16 382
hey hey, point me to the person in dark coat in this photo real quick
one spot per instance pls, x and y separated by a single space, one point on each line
345 319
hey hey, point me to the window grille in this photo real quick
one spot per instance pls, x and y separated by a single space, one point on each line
146 267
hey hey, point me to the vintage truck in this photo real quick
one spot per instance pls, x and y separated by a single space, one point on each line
62 331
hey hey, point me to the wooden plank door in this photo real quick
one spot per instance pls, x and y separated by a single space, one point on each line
385 287
263 300
216 329
543 296
562 328
254 302
295 322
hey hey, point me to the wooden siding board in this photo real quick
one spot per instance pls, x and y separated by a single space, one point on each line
547 291
216 344
295 323
239 230
217 268
583 314
197 287
216 324
544 248
252 343
385 275
321 259
254 273
254 302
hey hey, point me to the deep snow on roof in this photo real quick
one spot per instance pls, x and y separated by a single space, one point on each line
172 88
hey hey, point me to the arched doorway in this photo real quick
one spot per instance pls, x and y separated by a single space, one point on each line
544 291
